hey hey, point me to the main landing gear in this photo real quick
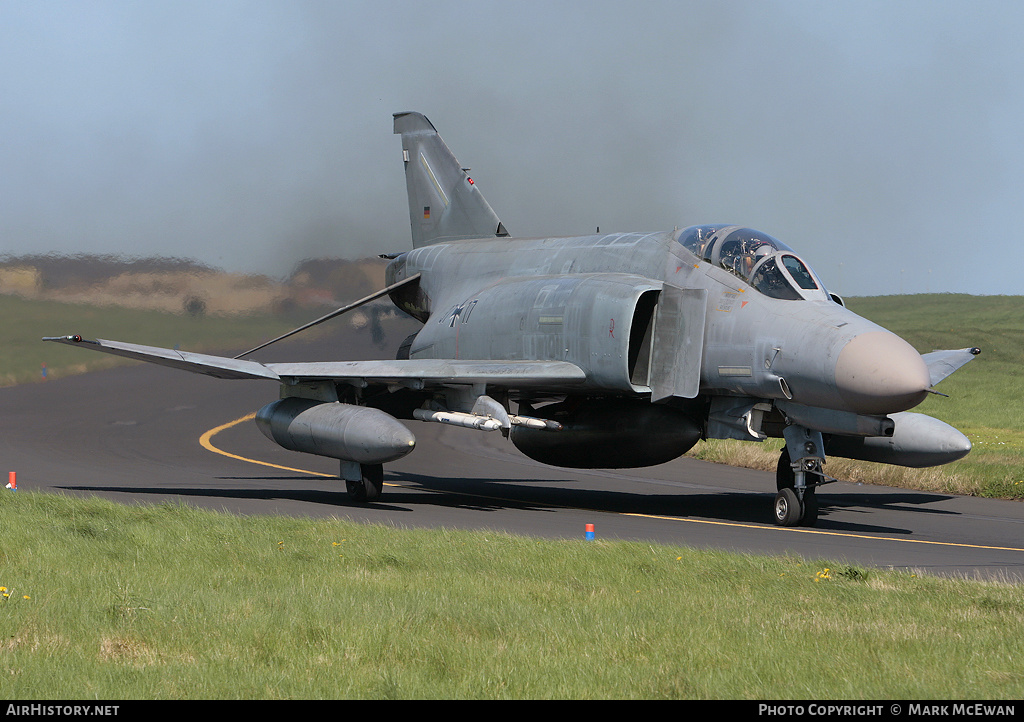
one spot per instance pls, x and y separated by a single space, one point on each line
370 483
796 503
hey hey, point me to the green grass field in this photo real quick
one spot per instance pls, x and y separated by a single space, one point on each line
104 601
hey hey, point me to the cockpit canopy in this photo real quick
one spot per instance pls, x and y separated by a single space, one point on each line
766 263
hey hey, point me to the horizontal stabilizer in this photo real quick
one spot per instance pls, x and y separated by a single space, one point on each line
942 363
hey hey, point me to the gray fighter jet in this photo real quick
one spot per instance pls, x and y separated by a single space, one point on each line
601 351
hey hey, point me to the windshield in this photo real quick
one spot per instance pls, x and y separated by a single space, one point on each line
799 272
764 262
770 281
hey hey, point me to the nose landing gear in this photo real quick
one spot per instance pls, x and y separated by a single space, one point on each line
796 503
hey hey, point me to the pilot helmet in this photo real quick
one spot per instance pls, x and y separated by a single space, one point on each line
762 250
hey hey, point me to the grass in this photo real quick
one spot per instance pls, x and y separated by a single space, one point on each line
111 602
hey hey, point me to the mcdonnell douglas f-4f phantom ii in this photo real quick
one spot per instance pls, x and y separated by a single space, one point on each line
602 351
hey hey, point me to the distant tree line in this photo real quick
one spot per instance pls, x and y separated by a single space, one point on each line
57 272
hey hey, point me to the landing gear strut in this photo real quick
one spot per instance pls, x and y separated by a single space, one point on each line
369 487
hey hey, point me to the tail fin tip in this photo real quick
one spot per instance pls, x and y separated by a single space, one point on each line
411 122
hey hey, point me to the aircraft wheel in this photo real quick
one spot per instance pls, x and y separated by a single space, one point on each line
371 486
784 474
356 490
788 509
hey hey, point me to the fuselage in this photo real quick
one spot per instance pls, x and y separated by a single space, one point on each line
590 300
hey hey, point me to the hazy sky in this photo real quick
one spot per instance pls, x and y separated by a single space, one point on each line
881 140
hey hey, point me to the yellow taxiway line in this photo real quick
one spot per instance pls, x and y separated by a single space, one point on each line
206 442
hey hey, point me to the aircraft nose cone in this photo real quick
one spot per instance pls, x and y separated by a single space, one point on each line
880 373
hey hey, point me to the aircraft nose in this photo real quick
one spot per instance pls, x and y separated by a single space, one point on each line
879 373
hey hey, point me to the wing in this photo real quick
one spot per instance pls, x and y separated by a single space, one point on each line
413 373
218 366
942 363
423 373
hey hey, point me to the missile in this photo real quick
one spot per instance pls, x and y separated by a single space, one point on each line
458 418
917 441
532 422
339 431
483 423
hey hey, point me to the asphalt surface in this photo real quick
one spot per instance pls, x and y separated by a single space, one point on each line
133 435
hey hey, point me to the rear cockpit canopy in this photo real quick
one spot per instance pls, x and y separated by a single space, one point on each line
764 262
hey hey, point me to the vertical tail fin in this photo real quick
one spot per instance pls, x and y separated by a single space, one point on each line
444 204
